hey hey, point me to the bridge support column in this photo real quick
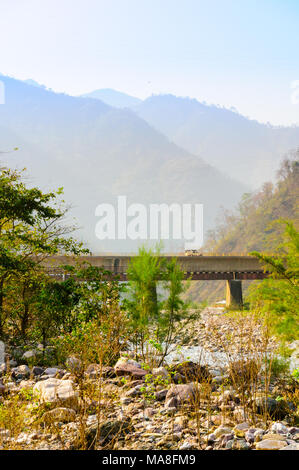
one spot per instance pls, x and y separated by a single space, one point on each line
234 298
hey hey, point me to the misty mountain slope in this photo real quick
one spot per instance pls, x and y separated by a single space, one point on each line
114 98
245 149
97 153
251 227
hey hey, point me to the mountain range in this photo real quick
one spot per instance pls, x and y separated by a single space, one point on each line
97 151
244 148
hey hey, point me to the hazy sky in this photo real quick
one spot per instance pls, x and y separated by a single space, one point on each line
241 53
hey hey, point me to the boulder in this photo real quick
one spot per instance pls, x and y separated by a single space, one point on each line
240 444
51 371
63 415
160 372
26 384
106 432
279 428
276 437
210 438
171 403
185 446
249 435
131 370
240 429
294 430
125 360
222 430
183 393
74 364
95 371
191 372
37 371
220 379
270 444
225 438
2 369
277 409
29 354
293 446
258 435
134 392
20 372
161 394
56 391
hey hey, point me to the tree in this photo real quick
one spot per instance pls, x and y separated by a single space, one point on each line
277 298
142 301
174 308
154 318
31 229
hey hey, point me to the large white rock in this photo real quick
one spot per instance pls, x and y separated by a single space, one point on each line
279 428
29 354
2 352
270 444
125 360
293 446
56 391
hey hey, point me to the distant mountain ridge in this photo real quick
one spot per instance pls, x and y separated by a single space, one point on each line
246 149
113 98
31 82
97 153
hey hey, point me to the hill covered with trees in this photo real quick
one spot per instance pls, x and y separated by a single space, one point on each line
252 226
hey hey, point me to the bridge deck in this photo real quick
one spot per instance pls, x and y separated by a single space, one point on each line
194 267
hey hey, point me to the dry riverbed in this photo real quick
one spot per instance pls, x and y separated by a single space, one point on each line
200 404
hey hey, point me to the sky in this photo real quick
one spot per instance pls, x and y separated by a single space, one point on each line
235 53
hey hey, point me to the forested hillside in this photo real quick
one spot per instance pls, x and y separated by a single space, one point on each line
252 227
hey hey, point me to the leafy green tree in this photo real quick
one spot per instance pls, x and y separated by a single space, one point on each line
87 295
174 308
153 318
142 301
54 304
277 298
31 229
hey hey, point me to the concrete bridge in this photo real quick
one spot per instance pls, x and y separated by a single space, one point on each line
233 269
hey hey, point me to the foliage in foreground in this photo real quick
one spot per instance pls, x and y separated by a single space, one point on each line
277 298
154 316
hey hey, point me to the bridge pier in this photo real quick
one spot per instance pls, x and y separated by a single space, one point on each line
234 298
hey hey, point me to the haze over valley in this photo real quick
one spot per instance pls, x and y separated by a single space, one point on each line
165 149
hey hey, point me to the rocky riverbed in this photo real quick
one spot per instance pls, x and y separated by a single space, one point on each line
189 405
